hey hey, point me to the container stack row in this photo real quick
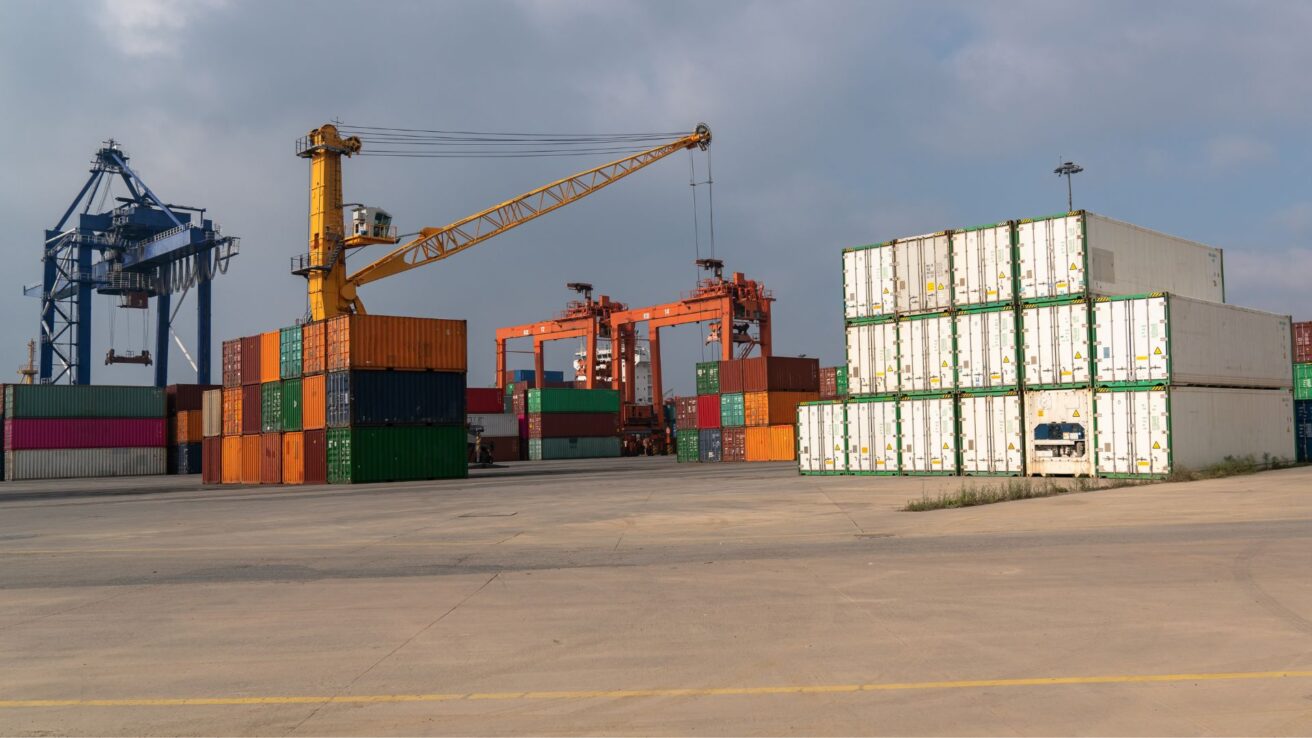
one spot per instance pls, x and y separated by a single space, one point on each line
353 399
569 423
833 382
745 409
516 400
1303 390
185 405
60 431
491 423
1068 345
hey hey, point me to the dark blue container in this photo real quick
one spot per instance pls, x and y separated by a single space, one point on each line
184 458
1303 430
710 446
526 375
376 398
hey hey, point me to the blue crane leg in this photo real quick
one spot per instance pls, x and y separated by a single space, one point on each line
203 329
47 350
82 375
162 304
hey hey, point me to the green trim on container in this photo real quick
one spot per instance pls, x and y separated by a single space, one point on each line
1121 475
867 247
1060 386
290 403
83 401
584 447
1000 306
990 392
928 395
983 227
871 320
995 475
927 316
863 399
1302 382
1049 217
823 473
1048 301
874 474
929 474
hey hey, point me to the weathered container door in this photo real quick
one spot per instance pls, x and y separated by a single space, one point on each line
868 282
929 435
924 273
982 265
992 438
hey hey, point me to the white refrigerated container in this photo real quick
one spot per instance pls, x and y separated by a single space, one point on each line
992 438
1059 432
987 349
982 265
869 282
821 438
929 435
1056 344
923 265
872 358
928 363
872 436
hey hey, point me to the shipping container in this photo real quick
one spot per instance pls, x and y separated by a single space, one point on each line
314 349
829 383
872 358
270 458
872 436
528 376
185 427
484 401
708 411
770 443
231 460
780 373
988 349
233 421
360 398
1156 432
179 397
1057 344
397 453
505 448
926 349
211 423
685 412
271 407
1082 254
1059 429
708 378
731 411
504 424
1303 381
293 458
560 400
54 433
211 460
983 266
1167 339
65 463
291 359
869 282
314 456
928 429
252 407
548 449
184 458
924 273
231 360
774 408
1302 342
314 402
290 409
398 343
822 438
710 448
992 437
572 425
733 444
731 376
270 356
1303 430
840 379
83 401
250 458
250 360
686 445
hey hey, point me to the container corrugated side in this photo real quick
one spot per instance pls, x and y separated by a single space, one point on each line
484 400
561 400
392 342
872 437
923 265
496 424
708 378
293 458
686 445
869 282
928 363
270 458
396 453
872 358
314 348
314 402
183 458
708 411
231 460
779 373
184 427
1302 342
733 444
290 408
1303 381
232 411
271 407
783 443
585 447
290 357
250 360
710 448
212 414
928 429
571 425
270 356
85 462
731 376
1057 344
731 410
179 397
685 412
774 408
231 363
1303 430
822 438
983 266
358 398
83 401
1059 432
992 435
987 349
250 458
315 456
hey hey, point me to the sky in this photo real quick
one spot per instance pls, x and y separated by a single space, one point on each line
835 124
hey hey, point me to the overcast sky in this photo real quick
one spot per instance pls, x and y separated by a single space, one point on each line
835 124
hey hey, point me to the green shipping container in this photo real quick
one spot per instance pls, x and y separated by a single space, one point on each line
687 445
271 407
566 400
708 378
840 380
1302 382
396 454
732 411
289 360
83 401
545 449
291 405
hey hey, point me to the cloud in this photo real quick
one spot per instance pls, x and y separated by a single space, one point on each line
1232 152
144 28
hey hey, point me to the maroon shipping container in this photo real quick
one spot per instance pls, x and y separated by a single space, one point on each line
211 460
1303 342
731 376
685 412
504 448
315 455
572 425
252 402
484 400
270 458
828 382
56 433
185 397
232 363
708 411
733 444
519 403
250 360
781 373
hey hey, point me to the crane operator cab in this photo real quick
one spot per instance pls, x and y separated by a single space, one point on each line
372 222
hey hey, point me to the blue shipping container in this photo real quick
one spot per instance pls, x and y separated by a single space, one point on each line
184 458
378 398
709 446
1303 430
526 375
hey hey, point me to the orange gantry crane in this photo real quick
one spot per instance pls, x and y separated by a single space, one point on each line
587 319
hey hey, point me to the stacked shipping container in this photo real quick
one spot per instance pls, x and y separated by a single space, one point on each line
185 427
1303 390
568 423
745 409
56 431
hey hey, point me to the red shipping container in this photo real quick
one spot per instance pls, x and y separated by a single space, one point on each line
504 448
270 458
251 413
1303 342
733 444
828 382
685 412
186 397
211 460
708 411
572 425
781 373
250 360
315 455
519 403
484 400
731 376
523 427
232 363
56 433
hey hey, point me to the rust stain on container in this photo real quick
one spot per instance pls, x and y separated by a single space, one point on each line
788 373
314 403
293 458
313 348
250 459
232 363
231 470
270 356
270 458
391 342
733 444
186 427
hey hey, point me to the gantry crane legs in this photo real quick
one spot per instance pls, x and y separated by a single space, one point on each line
587 319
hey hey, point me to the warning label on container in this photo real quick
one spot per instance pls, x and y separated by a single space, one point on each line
1157 445
1157 351
1011 447
1075 414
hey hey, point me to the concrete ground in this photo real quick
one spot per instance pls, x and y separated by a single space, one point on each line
645 597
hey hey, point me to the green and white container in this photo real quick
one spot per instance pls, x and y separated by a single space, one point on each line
992 435
926 349
289 412
290 352
83 401
1303 381
929 435
686 445
923 265
983 266
987 349
271 407
822 437
1057 344
1059 432
872 358
872 436
546 449
869 282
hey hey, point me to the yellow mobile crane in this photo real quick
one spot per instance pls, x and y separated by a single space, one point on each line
333 292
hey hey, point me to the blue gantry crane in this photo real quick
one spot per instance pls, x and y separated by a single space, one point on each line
140 249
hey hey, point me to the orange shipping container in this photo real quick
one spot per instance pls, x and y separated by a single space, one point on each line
270 458
293 458
783 443
185 427
774 408
314 402
231 455
389 342
250 459
232 412
771 443
270 356
313 355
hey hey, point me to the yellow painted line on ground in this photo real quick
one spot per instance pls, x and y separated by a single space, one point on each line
367 699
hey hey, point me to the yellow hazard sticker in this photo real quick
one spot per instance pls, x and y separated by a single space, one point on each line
1075 414
995 375
888 447
945 365
1011 447
1066 373
945 447
1006 360
865 449
1040 413
935 462
1074 267
1001 275
879 462
1061 285
1157 445
885 290
1078 355
1157 351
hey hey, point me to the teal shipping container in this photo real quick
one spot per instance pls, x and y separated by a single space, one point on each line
289 358
271 407
565 400
83 401
546 449
396 454
732 411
